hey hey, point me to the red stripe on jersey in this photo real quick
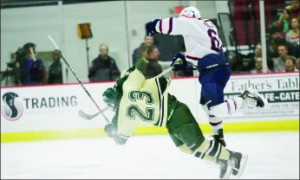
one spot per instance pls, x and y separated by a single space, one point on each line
193 57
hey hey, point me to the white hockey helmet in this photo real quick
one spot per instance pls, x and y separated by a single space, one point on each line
190 12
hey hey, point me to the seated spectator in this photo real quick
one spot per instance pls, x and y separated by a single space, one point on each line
292 37
32 68
148 63
294 9
148 40
258 66
279 62
297 63
258 53
276 39
103 67
284 22
290 64
258 50
55 70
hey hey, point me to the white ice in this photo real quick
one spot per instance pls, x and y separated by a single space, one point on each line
271 156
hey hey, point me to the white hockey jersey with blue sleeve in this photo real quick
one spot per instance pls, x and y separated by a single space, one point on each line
201 38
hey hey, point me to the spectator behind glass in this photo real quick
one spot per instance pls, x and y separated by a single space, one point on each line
103 67
290 65
55 69
32 69
148 63
148 40
292 37
154 68
279 62
142 60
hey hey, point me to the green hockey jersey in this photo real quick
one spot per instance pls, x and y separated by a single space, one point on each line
143 102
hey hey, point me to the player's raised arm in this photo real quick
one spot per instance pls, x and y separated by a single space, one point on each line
182 25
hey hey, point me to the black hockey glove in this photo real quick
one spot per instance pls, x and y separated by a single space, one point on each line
179 62
150 27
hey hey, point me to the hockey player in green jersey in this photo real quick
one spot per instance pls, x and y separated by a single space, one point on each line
138 101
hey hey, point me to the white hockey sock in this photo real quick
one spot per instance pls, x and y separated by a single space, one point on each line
239 102
228 107
216 123
234 104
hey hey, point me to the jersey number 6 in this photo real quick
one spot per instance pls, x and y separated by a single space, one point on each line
214 40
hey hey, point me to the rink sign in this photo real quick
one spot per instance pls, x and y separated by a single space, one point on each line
281 91
49 109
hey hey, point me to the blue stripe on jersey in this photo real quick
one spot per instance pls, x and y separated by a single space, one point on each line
160 26
170 25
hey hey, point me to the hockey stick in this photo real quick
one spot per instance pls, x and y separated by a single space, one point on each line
81 113
171 68
91 116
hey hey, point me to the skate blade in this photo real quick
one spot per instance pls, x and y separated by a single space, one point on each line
242 165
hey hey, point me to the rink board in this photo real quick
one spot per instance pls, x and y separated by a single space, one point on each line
51 112
267 126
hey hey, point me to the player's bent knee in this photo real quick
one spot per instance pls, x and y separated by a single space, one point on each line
185 149
218 110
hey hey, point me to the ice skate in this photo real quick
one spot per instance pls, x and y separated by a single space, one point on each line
253 98
237 162
225 169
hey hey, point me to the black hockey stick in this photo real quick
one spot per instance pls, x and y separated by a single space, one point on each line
86 91
91 116
191 67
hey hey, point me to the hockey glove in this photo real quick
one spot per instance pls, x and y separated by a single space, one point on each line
120 140
150 27
179 62
111 97
110 131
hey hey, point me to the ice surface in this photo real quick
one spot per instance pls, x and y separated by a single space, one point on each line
271 156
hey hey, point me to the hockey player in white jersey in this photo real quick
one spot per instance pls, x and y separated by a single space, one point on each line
139 101
205 48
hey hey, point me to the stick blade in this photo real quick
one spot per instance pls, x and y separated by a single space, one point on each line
84 115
